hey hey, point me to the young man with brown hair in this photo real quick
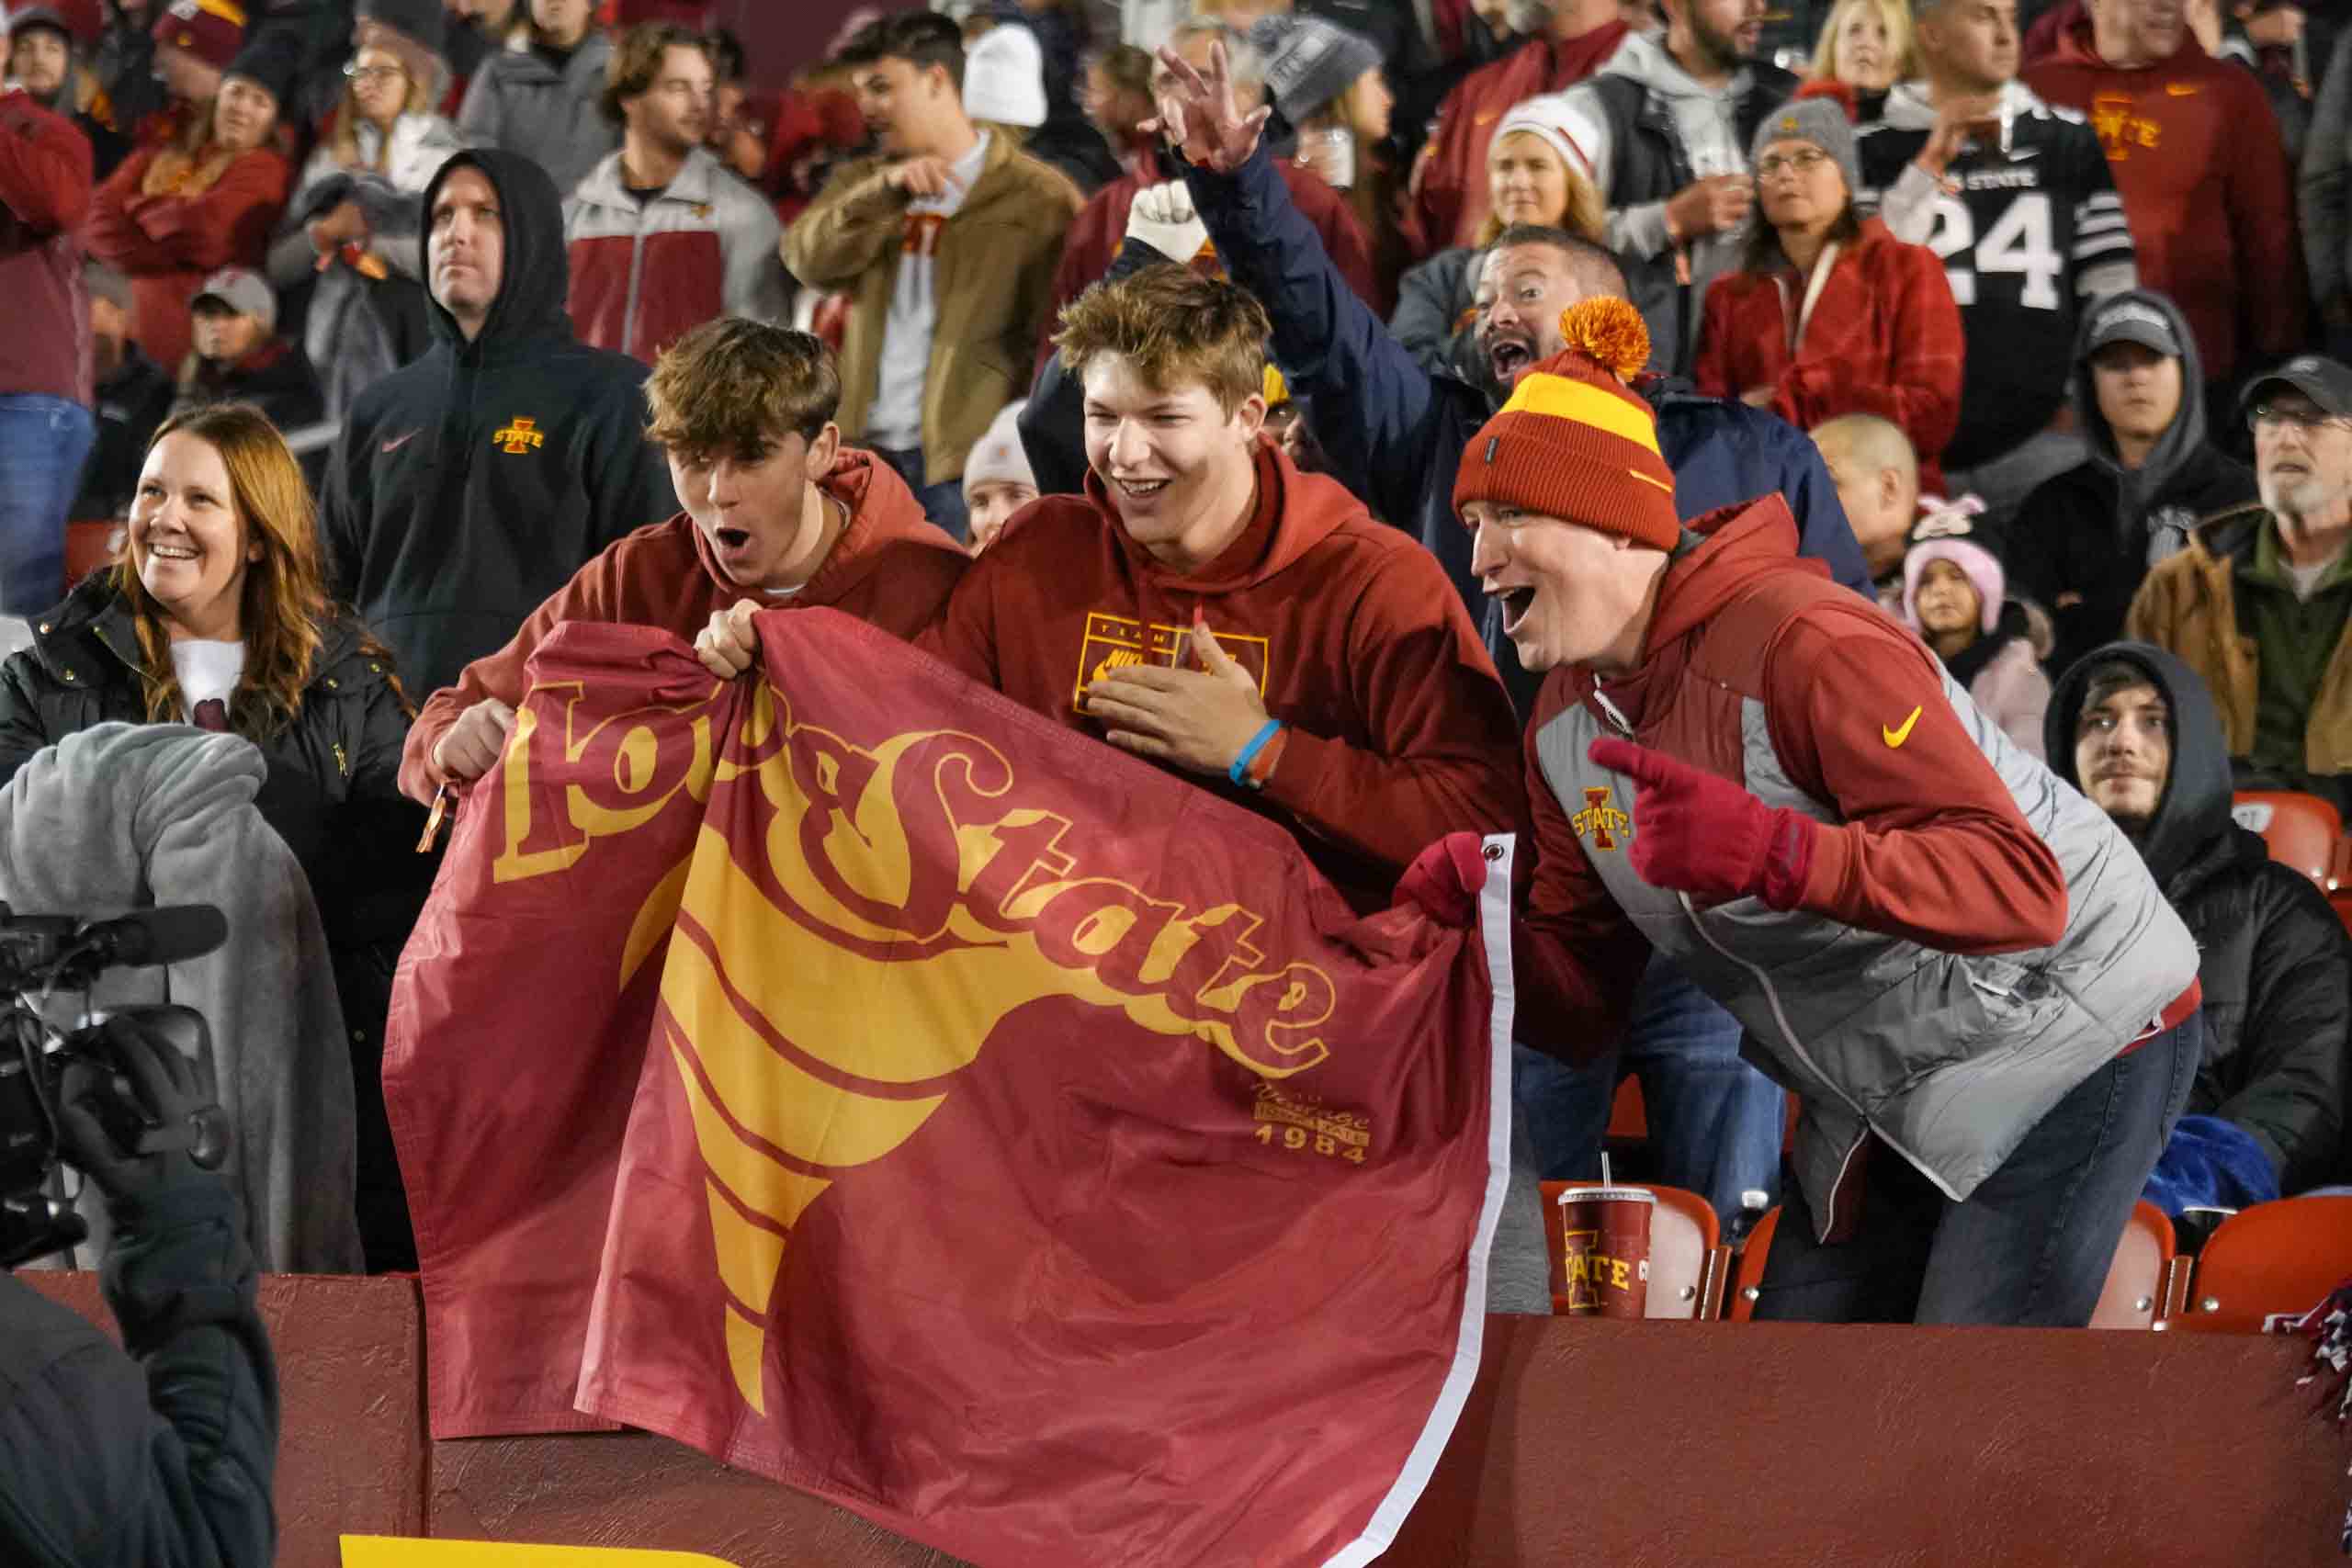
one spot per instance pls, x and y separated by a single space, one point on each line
663 237
1207 605
947 243
779 515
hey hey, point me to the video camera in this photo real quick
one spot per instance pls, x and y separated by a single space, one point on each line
41 954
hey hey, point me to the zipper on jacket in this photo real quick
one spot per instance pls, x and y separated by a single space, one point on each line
1615 715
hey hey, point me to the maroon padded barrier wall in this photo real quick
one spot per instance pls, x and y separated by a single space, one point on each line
1637 1444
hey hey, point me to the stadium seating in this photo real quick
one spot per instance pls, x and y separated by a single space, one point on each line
2303 831
2272 1259
2147 1282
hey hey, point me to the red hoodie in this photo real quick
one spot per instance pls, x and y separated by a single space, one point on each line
1449 200
892 568
2202 170
1927 843
1400 730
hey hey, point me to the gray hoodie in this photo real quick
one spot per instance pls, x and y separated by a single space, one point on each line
2165 531
1707 121
518 101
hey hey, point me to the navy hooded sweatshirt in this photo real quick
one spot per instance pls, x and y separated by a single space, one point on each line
472 484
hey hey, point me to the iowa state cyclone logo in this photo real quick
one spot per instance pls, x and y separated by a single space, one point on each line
848 941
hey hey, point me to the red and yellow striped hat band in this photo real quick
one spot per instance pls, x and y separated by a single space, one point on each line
1572 442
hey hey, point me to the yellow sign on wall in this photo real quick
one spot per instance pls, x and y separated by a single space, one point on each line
396 1552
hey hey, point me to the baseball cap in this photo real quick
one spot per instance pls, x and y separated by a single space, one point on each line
2132 320
2326 382
238 288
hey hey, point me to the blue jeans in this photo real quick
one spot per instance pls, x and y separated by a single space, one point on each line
1714 1120
942 502
43 441
2032 1245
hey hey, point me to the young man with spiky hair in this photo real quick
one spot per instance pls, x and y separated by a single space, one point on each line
1207 605
779 516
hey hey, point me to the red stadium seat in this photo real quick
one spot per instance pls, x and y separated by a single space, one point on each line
2274 1258
1688 1265
2147 1278
1750 1275
2303 831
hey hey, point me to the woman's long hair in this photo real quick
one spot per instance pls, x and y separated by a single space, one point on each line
283 609
1763 252
1586 215
343 143
1894 15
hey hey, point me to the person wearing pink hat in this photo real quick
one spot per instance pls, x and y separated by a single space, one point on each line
1955 596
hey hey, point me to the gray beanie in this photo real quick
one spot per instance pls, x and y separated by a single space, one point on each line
1820 120
1309 63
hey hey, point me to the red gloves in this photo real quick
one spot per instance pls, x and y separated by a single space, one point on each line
1445 880
1706 836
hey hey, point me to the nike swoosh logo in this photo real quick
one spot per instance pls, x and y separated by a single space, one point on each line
1897 736
2180 89
2019 154
397 442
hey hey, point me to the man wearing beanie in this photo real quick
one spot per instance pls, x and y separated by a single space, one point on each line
1394 434
195 40
48 44
662 236
1984 1004
997 477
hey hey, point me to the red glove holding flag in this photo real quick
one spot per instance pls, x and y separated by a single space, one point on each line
1706 836
1444 881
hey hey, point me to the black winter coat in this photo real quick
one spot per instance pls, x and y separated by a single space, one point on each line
2273 959
158 1463
332 794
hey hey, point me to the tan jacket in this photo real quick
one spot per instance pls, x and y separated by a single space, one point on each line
2188 605
996 262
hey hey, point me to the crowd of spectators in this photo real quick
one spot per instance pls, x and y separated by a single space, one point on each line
389 334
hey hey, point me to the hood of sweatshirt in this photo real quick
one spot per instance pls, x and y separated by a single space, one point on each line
2195 806
1644 58
2136 488
1295 512
535 278
882 511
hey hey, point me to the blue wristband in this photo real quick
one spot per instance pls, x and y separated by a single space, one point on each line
1238 772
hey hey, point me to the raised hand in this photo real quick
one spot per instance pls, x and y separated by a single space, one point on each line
1706 836
1198 116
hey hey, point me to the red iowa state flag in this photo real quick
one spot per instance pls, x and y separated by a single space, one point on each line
877 1086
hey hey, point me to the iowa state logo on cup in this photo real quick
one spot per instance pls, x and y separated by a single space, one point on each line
1605 1256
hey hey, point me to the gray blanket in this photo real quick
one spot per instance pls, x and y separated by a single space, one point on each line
121 817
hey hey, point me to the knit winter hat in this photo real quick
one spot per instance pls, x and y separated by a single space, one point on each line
999 458
1573 442
1955 531
1004 76
212 30
78 19
269 62
1819 120
1310 61
419 21
1553 119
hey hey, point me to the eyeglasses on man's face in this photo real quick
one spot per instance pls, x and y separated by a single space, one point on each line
2305 421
